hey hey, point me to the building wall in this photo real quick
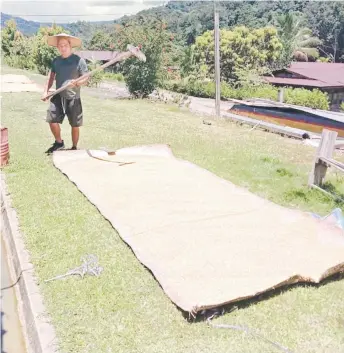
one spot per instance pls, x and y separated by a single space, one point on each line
285 74
336 97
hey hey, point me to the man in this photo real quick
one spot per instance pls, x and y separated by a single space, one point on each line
66 68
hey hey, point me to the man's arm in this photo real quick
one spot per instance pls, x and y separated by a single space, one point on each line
81 82
48 85
83 69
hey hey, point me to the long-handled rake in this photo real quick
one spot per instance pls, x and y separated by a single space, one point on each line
132 51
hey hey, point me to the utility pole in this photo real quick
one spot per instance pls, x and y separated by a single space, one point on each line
217 61
335 44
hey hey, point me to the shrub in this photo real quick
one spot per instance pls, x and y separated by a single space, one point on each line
22 54
342 107
206 89
17 49
142 78
113 76
97 77
313 99
8 36
240 47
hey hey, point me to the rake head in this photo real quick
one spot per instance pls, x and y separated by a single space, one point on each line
135 51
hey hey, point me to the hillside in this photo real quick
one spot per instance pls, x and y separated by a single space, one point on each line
189 19
82 29
26 27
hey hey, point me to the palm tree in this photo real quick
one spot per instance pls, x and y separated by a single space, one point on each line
298 41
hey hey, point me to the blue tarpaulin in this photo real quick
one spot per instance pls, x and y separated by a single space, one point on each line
336 217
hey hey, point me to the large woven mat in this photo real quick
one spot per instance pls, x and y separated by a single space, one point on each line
206 241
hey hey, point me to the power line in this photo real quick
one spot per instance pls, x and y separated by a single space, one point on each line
83 15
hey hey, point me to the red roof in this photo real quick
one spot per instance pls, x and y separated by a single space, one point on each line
295 82
99 55
314 75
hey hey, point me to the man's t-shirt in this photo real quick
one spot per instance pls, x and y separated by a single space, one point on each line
67 69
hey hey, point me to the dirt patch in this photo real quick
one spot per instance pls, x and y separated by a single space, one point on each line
18 83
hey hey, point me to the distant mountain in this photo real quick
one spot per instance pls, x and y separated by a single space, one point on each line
26 27
82 29
31 27
189 19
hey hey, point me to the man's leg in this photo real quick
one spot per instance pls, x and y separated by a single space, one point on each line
56 130
55 116
75 136
75 116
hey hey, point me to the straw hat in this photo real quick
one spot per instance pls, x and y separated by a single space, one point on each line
74 41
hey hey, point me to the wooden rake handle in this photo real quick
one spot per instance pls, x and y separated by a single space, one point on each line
132 51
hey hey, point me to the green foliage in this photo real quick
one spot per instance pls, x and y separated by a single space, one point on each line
26 27
86 30
142 78
16 47
313 99
44 54
22 54
241 47
253 77
187 61
342 107
100 41
324 60
113 76
298 41
326 20
298 96
206 89
95 79
190 19
8 35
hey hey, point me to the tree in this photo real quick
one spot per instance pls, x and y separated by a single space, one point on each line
298 41
42 52
326 19
22 53
187 62
100 41
97 77
8 35
16 47
240 48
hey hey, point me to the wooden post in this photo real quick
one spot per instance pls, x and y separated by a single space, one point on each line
281 95
217 62
325 149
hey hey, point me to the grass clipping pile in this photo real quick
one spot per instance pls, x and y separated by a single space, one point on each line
207 241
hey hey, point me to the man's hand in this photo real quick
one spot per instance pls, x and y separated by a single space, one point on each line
73 83
44 96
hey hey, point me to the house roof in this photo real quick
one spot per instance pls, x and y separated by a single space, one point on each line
314 75
296 82
99 55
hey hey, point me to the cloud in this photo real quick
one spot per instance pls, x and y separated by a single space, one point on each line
126 2
77 10
113 3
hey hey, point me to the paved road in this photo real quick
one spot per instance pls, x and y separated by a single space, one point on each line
11 336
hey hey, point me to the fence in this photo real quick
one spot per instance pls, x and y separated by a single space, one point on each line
324 160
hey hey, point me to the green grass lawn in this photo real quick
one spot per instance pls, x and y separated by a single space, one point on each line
125 310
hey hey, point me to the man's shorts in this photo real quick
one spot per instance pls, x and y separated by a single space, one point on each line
60 106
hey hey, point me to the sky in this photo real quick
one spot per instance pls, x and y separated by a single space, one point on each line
64 11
